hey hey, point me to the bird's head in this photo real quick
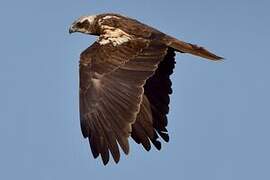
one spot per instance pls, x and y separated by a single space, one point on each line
85 24
101 24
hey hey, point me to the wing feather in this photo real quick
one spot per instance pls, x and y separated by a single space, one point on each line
156 90
112 83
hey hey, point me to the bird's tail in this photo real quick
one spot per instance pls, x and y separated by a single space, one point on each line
184 47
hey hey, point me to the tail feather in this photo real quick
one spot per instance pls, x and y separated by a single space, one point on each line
191 49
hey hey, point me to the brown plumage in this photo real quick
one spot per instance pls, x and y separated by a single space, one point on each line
125 83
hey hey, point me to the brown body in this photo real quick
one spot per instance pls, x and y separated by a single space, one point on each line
125 82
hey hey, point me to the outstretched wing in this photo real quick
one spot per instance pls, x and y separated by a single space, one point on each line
152 120
111 91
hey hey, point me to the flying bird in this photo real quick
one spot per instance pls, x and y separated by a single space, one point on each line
125 82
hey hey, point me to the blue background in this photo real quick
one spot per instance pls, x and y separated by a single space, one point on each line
219 119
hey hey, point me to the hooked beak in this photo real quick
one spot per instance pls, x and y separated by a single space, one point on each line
72 30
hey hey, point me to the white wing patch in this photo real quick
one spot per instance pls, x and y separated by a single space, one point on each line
113 35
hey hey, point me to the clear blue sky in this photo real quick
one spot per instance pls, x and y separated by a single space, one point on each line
220 113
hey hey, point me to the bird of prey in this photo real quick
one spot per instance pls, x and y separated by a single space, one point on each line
125 82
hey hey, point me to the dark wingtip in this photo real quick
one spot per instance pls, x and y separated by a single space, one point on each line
116 156
216 58
157 144
116 160
94 151
105 162
202 52
147 147
164 136
105 159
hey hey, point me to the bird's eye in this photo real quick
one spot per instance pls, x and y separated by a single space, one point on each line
79 25
85 24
